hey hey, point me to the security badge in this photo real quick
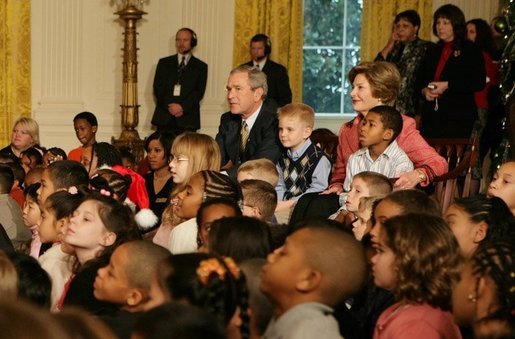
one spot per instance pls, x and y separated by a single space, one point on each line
177 90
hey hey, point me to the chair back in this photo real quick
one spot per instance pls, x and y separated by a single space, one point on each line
327 141
461 155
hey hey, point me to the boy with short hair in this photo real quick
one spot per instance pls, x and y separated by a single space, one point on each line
126 282
85 125
259 199
303 167
260 169
380 152
10 213
317 268
364 184
61 175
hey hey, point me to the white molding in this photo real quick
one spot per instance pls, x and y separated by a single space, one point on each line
76 61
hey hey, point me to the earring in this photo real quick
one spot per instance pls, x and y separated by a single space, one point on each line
472 298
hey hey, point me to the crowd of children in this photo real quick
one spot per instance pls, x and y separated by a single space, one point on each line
217 258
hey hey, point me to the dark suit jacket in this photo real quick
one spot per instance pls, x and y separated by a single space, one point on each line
193 86
278 82
263 141
465 72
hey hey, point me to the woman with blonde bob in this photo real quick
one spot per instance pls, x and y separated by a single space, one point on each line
191 153
25 135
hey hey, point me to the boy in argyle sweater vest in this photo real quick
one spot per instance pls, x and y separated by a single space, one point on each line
303 166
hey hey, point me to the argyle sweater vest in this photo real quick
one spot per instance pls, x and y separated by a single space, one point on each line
298 174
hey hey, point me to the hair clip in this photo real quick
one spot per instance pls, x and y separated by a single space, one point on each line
105 192
208 267
73 190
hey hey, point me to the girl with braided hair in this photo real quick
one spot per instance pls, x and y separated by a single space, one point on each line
203 186
114 183
484 298
210 282
478 219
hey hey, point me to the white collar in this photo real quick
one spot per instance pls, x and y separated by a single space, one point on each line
252 118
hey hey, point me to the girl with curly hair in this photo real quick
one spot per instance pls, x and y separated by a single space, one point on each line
417 259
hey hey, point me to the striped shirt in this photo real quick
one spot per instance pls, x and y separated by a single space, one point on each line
391 163
424 157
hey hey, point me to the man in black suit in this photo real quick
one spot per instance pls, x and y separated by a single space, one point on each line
279 92
250 129
179 85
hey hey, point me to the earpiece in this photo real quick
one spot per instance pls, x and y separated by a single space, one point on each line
194 39
268 46
266 40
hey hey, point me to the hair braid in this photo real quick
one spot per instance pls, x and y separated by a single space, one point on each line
497 260
218 185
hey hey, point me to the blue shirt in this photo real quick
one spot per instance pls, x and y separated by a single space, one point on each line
319 180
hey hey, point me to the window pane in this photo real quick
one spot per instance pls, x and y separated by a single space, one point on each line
332 33
322 81
351 59
323 22
353 24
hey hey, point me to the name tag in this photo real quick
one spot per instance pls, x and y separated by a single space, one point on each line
161 200
177 90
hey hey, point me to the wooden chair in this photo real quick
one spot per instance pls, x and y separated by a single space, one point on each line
461 155
327 141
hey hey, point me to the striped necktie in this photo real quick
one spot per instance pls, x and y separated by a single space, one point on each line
244 136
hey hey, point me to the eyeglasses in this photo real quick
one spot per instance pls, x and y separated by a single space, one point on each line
179 158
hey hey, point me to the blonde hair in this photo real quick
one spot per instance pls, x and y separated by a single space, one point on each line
261 169
367 203
31 126
260 194
384 79
303 112
377 183
203 153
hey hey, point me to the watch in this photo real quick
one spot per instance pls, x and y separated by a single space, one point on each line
421 176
